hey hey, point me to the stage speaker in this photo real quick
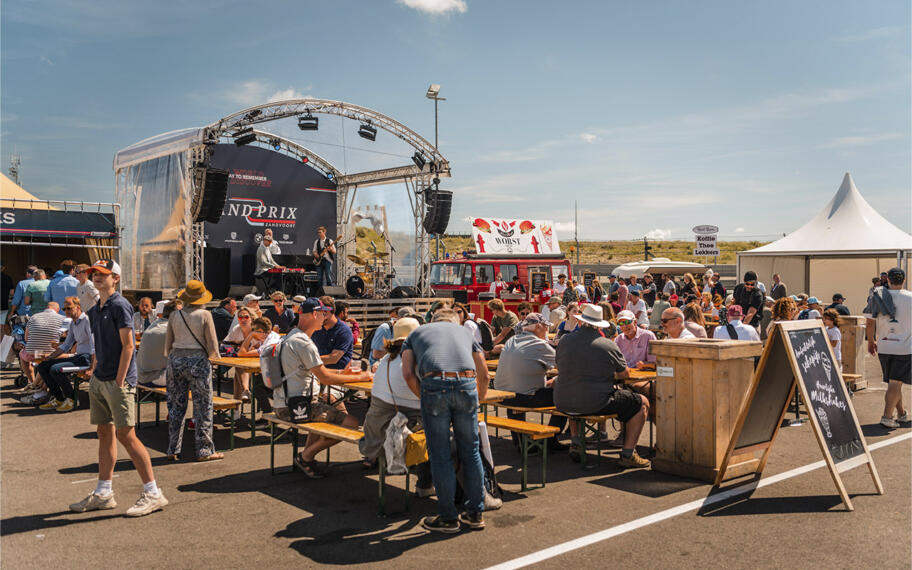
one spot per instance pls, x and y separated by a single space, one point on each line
215 193
217 268
238 291
403 292
437 218
333 291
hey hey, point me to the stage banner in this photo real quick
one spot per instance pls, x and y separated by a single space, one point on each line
267 189
504 236
56 223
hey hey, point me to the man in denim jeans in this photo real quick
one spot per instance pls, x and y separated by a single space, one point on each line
445 367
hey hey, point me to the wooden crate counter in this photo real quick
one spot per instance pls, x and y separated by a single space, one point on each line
700 385
854 344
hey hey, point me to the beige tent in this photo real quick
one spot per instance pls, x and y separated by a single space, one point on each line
838 251
14 196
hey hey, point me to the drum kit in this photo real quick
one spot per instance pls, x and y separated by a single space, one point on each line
374 277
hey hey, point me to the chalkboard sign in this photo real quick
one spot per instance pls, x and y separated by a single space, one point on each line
799 353
538 282
826 392
588 278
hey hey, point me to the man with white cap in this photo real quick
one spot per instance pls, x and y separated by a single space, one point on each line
589 366
265 262
553 312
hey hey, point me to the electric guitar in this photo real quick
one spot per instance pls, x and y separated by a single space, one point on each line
318 256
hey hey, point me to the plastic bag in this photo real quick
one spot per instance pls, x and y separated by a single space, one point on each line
394 444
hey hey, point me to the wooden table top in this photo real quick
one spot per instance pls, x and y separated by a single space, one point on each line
492 396
640 375
245 364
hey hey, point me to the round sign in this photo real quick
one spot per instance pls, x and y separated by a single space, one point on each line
705 230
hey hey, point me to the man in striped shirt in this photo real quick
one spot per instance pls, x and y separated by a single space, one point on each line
42 329
80 340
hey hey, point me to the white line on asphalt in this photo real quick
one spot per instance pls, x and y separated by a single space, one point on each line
88 480
590 539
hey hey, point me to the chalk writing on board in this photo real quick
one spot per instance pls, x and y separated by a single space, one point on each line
825 394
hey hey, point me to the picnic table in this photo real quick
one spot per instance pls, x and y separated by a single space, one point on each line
249 364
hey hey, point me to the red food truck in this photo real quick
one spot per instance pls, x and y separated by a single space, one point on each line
468 279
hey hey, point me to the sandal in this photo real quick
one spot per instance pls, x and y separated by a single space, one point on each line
211 457
172 457
310 468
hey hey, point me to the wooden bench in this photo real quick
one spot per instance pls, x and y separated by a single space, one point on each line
531 436
331 431
158 394
855 382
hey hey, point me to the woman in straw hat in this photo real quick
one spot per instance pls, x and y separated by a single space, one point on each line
190 342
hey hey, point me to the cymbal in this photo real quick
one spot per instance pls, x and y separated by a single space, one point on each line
356 259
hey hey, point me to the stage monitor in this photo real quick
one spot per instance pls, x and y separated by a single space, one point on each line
269 190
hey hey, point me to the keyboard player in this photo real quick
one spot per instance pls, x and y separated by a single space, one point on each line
265 262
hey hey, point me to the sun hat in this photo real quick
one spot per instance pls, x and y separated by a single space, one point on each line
592 314
403 327
251 297
105 266
195 293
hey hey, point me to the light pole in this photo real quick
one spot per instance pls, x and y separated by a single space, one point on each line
433 92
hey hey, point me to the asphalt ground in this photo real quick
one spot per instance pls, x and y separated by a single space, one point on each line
233 513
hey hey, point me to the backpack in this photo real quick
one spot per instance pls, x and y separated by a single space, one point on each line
803 315
732 333
487 334
274 376
366 344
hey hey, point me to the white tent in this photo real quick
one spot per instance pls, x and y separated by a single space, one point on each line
838 251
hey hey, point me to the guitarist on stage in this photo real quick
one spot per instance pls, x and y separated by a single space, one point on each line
324 253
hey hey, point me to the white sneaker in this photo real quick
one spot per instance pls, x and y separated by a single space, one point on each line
904 419
147 504
889 422
492 503
94 502
35 398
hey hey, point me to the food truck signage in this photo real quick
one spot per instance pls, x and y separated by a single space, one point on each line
493 236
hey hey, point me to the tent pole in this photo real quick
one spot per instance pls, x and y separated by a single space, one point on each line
807 274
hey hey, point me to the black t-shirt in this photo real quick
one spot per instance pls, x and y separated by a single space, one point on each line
649 293
6 285
748 299
840 308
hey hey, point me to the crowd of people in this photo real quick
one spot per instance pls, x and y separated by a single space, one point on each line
575 354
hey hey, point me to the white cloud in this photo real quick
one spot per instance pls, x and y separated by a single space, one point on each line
588 137
286 94
565 228
45 59
436 6
861 140
739 230
658 234
876 33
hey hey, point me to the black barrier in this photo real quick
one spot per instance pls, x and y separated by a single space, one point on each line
56 223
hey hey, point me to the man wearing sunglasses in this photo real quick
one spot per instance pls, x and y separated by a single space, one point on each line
673 324
750 298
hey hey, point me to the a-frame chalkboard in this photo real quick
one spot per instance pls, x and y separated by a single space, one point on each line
800 352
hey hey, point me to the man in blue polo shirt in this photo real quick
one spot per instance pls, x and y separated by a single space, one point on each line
112 395
64 284
18 306
334 340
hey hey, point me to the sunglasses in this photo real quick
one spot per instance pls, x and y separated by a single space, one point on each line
669 319
523 313
623 322
242 318
750 283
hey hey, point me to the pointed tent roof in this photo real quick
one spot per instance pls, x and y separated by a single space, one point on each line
847 224
14 196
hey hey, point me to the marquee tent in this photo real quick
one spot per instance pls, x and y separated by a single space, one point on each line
837 251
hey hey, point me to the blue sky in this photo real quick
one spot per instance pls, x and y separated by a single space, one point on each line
655 116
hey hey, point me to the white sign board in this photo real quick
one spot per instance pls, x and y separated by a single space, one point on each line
705 242
502 235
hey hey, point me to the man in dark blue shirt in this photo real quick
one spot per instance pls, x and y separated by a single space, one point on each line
280 315
112 395
335 340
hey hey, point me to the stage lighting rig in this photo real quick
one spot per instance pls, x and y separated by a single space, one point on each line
419 160
244 136
367 131
308 122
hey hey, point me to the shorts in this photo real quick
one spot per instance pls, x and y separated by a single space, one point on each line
320 411
111 404
896 367
624 403
26 356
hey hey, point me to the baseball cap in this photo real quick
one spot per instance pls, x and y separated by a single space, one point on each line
673 298
554 299
838 297
251 297
612 276
312 304
634 292
735 311
813 301
105 266
625 314
533 319
770 299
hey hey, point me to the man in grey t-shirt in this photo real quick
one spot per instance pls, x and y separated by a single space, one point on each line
445 367
523 368
588 365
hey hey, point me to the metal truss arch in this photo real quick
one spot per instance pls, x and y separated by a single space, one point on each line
323 166
297 107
